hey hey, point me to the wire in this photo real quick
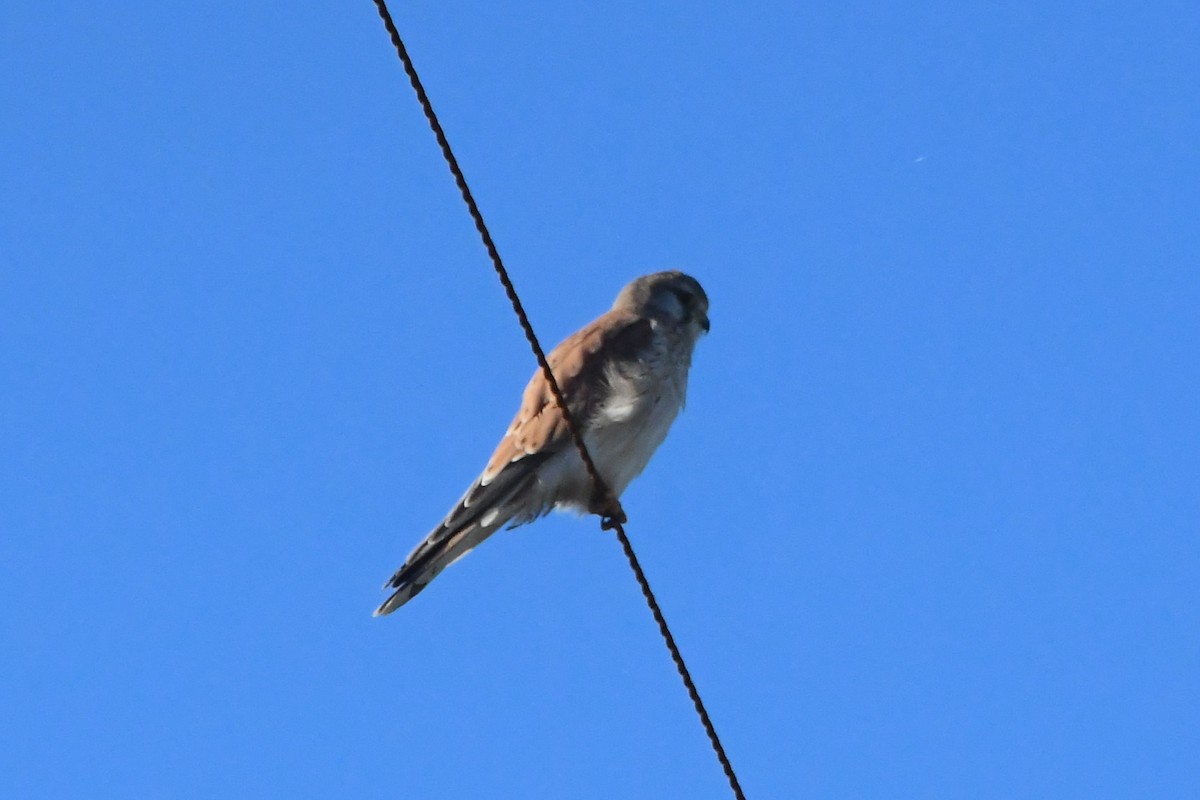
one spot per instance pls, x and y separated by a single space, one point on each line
613 516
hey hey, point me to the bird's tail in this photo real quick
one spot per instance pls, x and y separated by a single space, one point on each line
407 590
441 549
483 510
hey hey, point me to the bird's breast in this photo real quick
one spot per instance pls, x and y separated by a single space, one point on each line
634 419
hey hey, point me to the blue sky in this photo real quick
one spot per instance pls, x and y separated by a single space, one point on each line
927 528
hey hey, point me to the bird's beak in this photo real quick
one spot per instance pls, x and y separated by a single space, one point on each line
704 323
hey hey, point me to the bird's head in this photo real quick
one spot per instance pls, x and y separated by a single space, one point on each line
669 296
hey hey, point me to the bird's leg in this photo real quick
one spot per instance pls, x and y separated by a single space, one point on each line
608 507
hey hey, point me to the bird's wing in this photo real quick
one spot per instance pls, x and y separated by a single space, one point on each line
580 365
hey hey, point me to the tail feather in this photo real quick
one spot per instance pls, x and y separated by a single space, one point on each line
482 511
428 561
399 597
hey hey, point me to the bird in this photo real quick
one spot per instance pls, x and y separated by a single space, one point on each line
624 379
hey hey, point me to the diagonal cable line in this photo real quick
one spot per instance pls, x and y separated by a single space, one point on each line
613 517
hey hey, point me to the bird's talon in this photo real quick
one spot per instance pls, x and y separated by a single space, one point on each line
608 507
612 515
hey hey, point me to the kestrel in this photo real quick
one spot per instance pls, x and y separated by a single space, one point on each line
624 378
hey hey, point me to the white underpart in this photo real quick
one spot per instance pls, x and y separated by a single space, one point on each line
635 419
629 428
